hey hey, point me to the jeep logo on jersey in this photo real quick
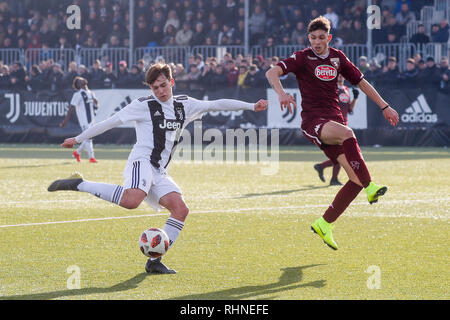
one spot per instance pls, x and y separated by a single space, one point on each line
325 72
171 125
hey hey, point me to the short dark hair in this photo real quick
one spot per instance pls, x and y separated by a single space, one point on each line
79 82
155 71
319 23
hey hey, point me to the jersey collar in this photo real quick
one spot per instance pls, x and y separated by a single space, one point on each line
321 56
168 102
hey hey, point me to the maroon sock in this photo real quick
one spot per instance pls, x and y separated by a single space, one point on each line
343 198
356 161
326 164
336 169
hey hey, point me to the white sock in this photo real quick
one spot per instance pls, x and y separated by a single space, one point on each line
173 228
109 192
88 146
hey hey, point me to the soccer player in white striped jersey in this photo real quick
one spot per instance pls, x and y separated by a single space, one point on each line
159 120
84 103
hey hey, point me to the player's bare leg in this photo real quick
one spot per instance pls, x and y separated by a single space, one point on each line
132 198
334 178
319 167
174 202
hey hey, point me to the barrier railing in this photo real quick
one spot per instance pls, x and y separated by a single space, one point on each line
411 28
9 56
426 16
400 51
175 54
281 51
86 56
60 56
435 50
354 51
217 51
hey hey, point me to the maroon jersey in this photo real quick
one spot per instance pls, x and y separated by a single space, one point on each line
344 101
317 81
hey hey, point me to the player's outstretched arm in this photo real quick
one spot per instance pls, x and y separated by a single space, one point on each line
261 105
93 131
389 113
229 105
286 100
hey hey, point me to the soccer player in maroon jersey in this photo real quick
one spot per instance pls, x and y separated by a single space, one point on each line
316 69
346 108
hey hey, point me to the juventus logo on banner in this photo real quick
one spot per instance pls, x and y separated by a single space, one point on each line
14 105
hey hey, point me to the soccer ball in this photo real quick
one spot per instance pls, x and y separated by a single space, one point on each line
154 242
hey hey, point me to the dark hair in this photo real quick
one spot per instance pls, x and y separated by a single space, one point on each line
319 23
35 68
155 71
79 82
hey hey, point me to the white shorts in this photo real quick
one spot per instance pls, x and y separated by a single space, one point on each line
140 174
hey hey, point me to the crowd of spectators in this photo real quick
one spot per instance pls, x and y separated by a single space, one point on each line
33 24
105 23
210 73
419 73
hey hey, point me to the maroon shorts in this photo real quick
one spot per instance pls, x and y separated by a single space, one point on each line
311 130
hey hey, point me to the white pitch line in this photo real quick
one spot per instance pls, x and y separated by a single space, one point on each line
406 202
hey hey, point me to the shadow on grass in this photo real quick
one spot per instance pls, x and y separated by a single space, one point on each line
122 286
290 279
37 165
281 192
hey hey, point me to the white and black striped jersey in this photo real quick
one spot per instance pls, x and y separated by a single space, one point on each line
83 101
159 124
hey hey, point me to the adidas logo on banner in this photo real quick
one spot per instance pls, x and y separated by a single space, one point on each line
419 112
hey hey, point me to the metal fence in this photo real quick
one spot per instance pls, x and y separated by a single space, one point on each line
435 50
281 51
217 51
400 51
87 56
60 56
175 54
354 51
180 54
9 56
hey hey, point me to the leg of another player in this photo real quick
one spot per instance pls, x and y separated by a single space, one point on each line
320 166
90 151
334 178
